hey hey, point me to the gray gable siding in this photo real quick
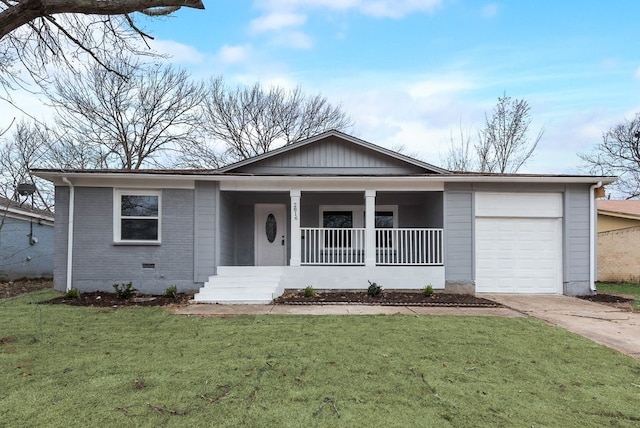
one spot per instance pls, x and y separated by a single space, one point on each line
331 156
98 263
206 225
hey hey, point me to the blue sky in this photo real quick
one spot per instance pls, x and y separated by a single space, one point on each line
412 72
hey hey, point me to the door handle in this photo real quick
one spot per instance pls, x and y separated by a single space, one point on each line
282 239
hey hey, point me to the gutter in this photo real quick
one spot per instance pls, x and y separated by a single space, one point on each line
71 215
592 239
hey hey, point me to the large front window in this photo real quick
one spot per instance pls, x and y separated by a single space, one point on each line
137 216
337 220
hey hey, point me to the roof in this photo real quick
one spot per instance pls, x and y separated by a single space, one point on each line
13 209
621 208
239 171
346 138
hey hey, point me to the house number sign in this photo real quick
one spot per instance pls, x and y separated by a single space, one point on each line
295 211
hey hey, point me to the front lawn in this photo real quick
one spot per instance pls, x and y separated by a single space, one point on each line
75 366
626 288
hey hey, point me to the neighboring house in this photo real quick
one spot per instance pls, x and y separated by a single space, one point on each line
618 241
26 242
333 212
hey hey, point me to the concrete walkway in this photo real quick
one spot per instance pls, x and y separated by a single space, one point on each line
603 324
232 310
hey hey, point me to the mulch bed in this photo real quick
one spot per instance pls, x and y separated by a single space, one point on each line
615 300
388 298
111 300
15 288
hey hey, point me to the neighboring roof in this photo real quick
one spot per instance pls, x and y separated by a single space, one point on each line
13 209
428 168
622 208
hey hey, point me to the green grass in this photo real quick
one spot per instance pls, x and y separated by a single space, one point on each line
621 288
78 367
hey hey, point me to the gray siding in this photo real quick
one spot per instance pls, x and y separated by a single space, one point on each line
576 240
331 156
206 195
458 237
98 263
18 257
60 238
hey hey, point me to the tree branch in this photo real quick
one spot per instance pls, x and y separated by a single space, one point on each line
23 12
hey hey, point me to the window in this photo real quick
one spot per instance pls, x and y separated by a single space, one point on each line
137 216
353 216
384 220
339 220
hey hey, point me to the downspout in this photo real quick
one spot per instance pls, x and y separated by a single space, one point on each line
72 197
592 238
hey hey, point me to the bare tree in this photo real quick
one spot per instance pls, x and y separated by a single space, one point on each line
26 149
503 145
129 123
618 154
459 156
249 121
16 13
37 36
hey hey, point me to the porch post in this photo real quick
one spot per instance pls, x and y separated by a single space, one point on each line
370 225
295 228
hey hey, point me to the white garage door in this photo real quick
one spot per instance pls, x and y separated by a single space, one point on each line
518 243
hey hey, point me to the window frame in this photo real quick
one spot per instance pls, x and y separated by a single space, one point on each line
117 216
358 212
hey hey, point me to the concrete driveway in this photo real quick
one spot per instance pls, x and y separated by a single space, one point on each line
603 324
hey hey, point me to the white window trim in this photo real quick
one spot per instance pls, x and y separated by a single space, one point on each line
357 211
117 210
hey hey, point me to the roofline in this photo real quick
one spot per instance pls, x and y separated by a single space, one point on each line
333 132
55 176
618 214
21 213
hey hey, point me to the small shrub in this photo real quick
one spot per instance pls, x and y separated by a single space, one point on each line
72 294
374 289
428 290
309 291
125 290
171 291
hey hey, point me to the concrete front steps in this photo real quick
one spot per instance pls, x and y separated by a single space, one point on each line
242 285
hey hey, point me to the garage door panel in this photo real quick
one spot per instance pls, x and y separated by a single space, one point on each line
519 255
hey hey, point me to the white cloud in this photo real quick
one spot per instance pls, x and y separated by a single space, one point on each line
637 73
234 54
294 39
277 21
377 8
178 52
489 10
430 87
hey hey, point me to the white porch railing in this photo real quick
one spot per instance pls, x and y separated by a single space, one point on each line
332 246
409 246
342 246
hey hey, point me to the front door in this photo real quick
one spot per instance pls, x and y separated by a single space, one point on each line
271 234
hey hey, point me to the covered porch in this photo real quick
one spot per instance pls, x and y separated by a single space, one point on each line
337 239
